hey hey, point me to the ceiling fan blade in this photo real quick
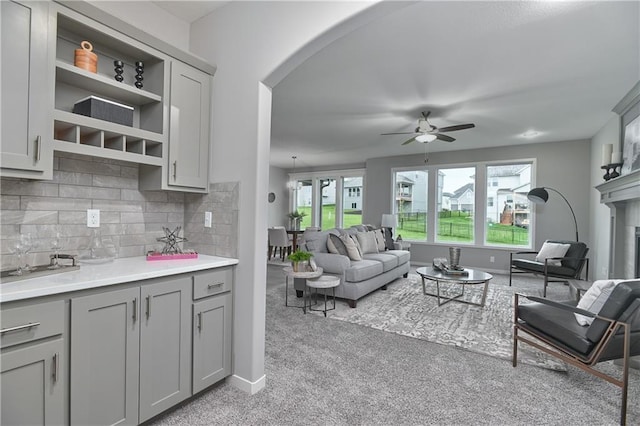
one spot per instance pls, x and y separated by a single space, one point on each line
445 138
409 141
426 114
398 133
456 127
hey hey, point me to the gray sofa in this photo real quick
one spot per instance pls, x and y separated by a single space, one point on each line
357 277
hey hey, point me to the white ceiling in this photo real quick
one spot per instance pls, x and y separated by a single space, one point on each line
189 10
509 67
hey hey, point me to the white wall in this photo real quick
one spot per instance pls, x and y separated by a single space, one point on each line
252 43
277 211
149 18
560 165
599 228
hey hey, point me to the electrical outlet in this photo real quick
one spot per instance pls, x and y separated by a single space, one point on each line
492 259
208 218
93 218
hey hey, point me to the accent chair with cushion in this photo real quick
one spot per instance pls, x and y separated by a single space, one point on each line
556 261
612 332
278 239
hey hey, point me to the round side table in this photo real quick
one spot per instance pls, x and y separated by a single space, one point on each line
304 276
325 282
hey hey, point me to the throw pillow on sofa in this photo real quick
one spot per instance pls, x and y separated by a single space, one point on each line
335 245
552 250
353 250
379 234
367 242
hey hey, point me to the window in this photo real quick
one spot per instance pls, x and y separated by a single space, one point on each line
352 190
456 205
328 200
410 204
507 220
302 200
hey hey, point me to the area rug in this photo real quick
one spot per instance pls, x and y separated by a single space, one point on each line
403 309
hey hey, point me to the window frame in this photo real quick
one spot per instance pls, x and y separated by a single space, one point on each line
480 215
338 176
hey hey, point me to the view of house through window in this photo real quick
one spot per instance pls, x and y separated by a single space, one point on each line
455 204
508 216
328 212
351 201
303 196
410 204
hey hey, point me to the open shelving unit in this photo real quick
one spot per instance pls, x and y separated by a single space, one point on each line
145 141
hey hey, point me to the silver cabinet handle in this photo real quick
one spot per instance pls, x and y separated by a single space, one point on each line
55 366
210 286
148 306
135 309
175 169
200 321
38 147
19 327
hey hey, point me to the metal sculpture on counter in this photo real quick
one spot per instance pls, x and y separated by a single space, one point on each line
171 240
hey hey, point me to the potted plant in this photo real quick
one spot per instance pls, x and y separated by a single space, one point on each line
295 217
299 260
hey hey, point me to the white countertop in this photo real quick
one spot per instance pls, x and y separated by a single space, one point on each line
117 272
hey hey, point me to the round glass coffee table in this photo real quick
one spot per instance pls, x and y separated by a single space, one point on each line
469 277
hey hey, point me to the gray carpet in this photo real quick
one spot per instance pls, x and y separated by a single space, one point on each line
405 310
326 372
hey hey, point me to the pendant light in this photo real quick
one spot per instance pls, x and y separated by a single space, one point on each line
292 184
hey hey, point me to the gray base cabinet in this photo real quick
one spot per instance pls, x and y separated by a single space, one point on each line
211 341
32 375
32 384
130 352
165 342
104 358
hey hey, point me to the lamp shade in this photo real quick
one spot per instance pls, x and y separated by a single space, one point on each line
389 221
538 195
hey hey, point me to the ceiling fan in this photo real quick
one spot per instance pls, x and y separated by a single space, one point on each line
427 132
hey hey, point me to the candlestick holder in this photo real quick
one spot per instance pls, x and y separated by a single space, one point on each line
139 71
607 175
119 69
617 168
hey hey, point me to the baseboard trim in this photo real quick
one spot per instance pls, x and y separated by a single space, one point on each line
247 386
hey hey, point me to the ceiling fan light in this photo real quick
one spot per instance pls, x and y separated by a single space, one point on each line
426 138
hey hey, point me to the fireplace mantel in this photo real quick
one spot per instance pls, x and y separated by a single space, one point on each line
621 189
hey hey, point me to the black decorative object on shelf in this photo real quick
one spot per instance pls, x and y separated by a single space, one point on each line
139 72
119 69
612 171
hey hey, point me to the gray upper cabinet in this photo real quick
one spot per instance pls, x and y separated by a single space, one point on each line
187 165
165 342
104 358
27 91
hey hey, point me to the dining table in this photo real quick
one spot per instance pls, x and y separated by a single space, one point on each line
294 239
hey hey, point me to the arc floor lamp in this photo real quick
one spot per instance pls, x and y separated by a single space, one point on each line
540 196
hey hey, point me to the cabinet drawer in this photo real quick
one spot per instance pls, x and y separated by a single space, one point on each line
32 322
208 283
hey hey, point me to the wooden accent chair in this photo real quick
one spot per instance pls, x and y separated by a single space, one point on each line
571 264
613 334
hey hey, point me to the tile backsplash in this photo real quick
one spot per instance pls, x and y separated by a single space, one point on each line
131 218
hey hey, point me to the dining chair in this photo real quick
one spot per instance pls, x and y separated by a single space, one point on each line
278 239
